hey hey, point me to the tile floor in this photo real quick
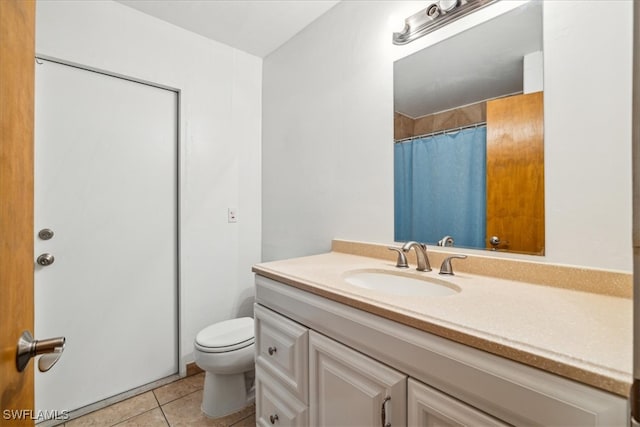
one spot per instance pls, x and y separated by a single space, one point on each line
176 404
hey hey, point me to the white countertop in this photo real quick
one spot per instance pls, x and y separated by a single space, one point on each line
583 336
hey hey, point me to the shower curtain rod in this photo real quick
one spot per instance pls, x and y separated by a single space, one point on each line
440 132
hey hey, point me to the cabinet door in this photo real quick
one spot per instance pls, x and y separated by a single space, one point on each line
281 348
427 407
275 405
347 388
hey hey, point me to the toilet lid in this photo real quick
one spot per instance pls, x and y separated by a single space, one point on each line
226 336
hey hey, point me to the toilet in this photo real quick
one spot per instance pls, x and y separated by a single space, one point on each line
225 351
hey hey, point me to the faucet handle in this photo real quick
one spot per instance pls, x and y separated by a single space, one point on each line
446 268
402 258
446 241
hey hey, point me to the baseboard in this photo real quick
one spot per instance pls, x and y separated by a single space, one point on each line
193 369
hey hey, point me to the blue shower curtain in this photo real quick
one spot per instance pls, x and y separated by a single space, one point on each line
440 188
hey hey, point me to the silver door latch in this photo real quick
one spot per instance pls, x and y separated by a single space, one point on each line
51 349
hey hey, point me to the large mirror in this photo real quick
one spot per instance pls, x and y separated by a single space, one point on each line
468 137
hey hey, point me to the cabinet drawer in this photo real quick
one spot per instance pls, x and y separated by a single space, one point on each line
427 406
282 350
275 405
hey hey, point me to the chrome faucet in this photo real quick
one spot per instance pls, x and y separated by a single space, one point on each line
421 254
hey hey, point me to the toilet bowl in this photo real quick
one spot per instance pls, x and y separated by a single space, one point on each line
225 351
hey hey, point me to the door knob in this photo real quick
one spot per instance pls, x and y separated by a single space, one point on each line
45 259
51 349
498 243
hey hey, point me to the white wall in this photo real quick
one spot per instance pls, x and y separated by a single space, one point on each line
220 137
327 130
533 72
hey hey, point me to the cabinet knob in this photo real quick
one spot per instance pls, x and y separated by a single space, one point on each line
272 350
273 418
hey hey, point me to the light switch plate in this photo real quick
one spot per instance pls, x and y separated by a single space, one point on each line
232 215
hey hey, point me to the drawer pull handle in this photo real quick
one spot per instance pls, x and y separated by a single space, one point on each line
271 351
383 412
273 418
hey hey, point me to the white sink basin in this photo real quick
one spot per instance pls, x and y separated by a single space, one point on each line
401 284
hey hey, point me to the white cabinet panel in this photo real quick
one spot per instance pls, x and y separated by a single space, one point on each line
427 407
282 348
275 405
347 388
507 390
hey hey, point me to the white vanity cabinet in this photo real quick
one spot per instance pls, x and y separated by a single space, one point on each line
348 388
282 370
304 378
323 363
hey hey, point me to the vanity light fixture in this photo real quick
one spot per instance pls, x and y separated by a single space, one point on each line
436 15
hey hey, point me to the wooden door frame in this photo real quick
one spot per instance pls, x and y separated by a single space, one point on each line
17 51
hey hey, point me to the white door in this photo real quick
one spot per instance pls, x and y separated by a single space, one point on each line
347 388
106 185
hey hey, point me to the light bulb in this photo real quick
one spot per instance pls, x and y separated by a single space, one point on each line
447 5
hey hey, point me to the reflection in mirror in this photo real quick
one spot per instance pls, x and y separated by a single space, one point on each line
468 131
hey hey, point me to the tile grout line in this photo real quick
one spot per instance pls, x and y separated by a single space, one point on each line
248 416
133 416
171 401
132 396
160 406
179 397
166 420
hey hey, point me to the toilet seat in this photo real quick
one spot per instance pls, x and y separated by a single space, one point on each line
226 336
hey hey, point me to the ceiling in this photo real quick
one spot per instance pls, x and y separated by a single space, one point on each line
255 26
481 63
